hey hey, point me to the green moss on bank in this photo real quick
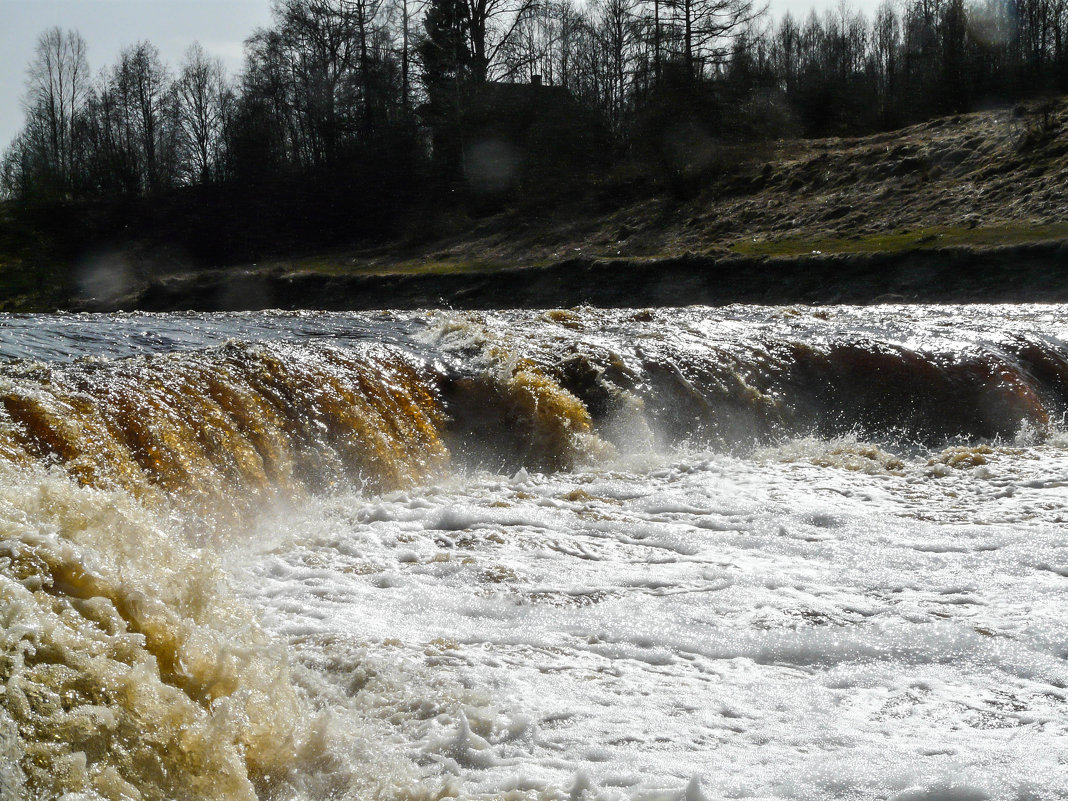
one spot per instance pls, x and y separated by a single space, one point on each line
431 265
920 239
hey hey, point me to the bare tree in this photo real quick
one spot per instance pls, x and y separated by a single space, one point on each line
146 99
616 28
58 81
202 96
490 26
329 54
886 42
319 52
572 24
532 48
364 14
706 27
404 14
15 169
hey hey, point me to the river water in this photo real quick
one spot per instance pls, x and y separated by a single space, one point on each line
748 552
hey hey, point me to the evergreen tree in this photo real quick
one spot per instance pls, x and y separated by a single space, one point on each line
446 61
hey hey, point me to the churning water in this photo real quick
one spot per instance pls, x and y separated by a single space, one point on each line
674 554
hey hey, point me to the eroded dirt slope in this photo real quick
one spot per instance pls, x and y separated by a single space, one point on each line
1001 175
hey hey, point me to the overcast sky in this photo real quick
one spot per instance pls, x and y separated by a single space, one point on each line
172 25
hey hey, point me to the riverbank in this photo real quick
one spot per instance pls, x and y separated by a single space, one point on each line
1023 273
963 209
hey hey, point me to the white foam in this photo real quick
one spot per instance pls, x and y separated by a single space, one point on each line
714 627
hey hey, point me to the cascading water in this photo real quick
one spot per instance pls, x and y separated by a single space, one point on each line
744 552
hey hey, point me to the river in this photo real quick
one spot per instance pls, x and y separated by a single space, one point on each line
671 554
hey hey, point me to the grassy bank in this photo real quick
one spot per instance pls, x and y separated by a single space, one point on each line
930 238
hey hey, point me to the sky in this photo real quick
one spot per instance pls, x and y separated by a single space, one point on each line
172 25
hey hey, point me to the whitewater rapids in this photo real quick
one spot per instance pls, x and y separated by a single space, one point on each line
767 553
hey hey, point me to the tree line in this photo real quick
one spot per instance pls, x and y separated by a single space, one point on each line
350 93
